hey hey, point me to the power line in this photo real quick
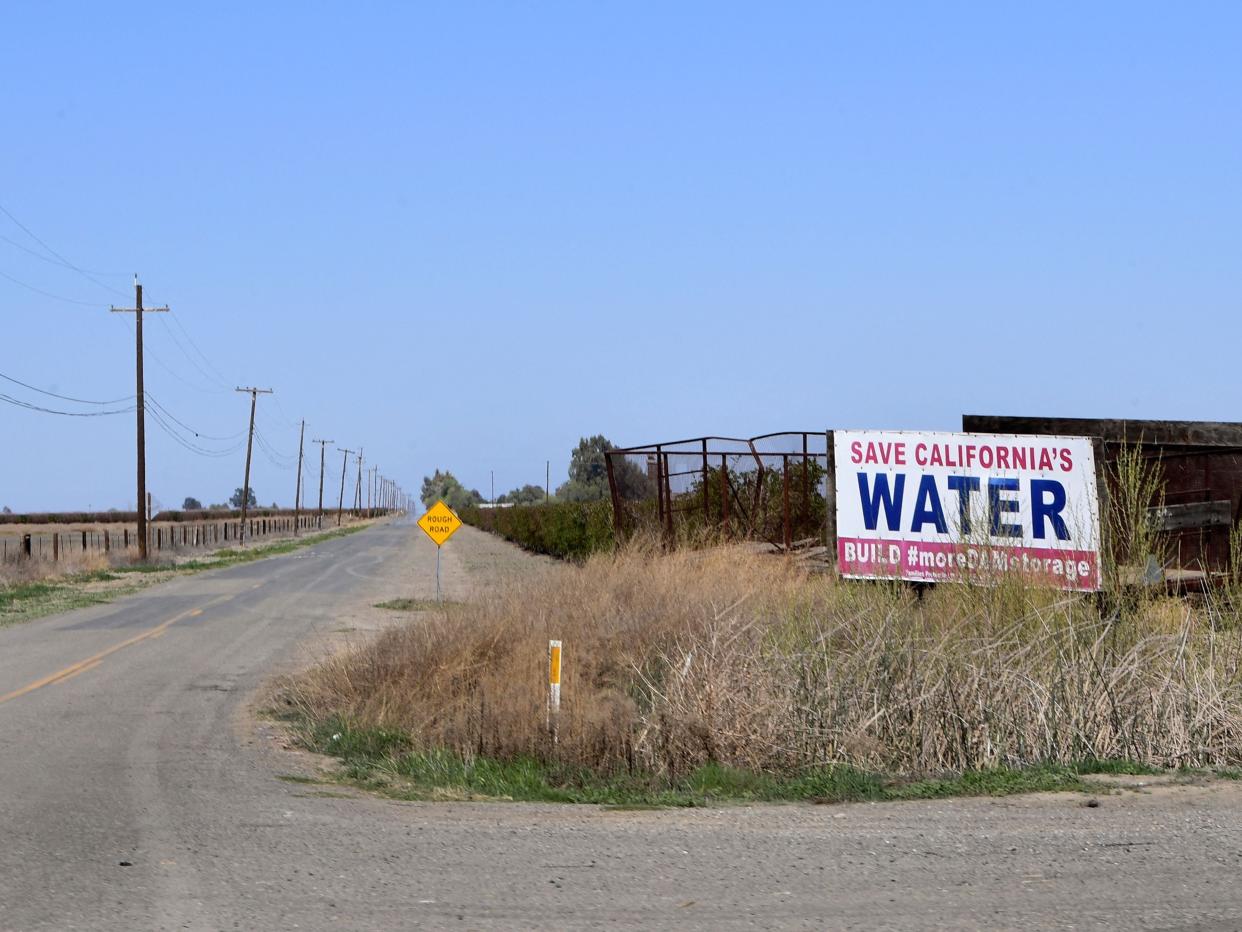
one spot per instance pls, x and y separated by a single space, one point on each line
17 402
176 319
173 372
67 263
81 401
274 456
48 294
38 255
197 433
285 414
272 447
192 447
193 362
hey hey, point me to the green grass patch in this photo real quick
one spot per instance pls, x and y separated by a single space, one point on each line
384 760
1122 767
20 602
414 605
27 601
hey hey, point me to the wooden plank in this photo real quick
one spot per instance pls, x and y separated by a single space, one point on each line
1161 433
1195 515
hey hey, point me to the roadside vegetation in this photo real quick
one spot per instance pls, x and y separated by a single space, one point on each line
571 524
384 760
35 588
724 658
719 672
568 530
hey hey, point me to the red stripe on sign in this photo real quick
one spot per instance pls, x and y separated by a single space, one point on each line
924 561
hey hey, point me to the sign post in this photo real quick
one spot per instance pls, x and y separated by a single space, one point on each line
439 523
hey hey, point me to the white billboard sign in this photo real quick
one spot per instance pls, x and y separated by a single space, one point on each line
968 507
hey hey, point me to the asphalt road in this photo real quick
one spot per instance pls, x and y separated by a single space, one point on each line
137 792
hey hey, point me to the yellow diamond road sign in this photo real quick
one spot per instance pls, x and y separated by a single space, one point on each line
439 523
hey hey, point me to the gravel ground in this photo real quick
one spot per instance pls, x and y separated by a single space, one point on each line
138 793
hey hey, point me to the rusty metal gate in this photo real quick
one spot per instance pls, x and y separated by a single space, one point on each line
769 488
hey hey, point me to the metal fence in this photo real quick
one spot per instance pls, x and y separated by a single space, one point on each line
769 488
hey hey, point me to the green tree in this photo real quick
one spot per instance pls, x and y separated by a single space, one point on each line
191 504
528 494
236 499
588 474
445 487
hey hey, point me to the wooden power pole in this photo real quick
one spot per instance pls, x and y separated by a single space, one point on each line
141 407
297 495
340 505
254 399
322 446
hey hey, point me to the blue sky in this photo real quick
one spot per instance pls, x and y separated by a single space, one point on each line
465 235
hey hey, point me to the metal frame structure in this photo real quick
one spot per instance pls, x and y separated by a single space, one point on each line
775 487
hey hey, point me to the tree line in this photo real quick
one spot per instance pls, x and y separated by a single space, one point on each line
587 481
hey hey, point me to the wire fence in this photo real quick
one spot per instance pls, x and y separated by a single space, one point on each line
58 545
771 488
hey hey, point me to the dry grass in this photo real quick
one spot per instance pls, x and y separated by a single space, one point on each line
71 564
673 661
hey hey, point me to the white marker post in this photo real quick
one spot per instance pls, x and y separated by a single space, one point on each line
554 688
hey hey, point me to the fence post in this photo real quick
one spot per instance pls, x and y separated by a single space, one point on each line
724 494
785 501
706 500
27 550
659 487
56 547
107 541
806 480
830 498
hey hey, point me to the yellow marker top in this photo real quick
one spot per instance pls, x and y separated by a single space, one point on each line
554 664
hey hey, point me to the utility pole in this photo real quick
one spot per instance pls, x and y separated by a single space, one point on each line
493 474
547 488
358 487
141 407
373 478
297 495
254 399
322 445
340 505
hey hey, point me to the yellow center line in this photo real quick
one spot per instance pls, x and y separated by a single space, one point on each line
95 660
80 670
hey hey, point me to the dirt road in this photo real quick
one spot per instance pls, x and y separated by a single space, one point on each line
137 792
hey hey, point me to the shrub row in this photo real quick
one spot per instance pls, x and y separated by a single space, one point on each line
569 530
